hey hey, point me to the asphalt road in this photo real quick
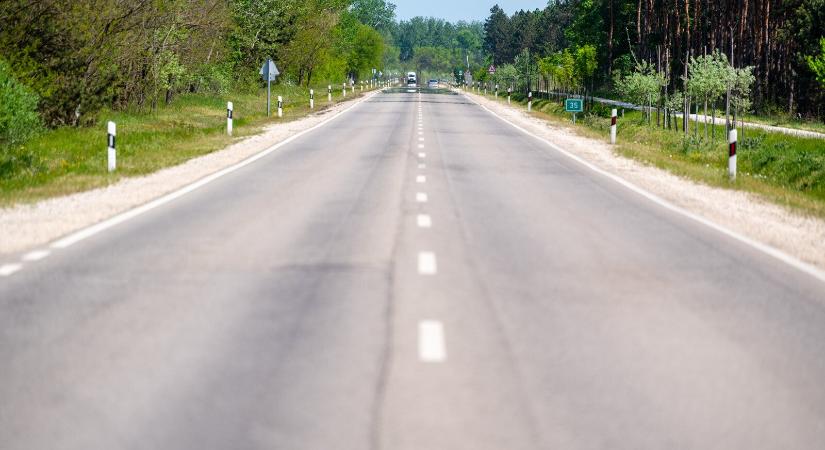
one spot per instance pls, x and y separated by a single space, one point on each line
390 282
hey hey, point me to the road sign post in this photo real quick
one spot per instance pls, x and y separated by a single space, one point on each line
270 73
229 112
574 105
112 153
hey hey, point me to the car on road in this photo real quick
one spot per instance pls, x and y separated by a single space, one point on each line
432 84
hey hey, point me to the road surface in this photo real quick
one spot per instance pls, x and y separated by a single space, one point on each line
416 274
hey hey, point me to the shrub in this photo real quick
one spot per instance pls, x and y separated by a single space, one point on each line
19 120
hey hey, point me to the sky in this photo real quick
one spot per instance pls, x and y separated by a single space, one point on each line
454 10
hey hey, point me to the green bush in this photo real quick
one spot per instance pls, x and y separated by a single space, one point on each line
19 120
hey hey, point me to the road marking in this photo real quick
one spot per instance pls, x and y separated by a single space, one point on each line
421 197
422 155
424 221
420 133
764 248
427 264
36 255
90 231
431 347
421 139
8 269
420 145
422 166
421 179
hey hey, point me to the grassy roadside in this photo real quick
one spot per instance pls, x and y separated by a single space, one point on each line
69 160
786 170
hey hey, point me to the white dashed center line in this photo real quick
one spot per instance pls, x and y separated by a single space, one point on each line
421 179
8 269
421 197
420 145
422 166
431 347
427 264
424 221
36 255
422 155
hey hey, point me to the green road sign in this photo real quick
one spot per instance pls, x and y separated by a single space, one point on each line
574 105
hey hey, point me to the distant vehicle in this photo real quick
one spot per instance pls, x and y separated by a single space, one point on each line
412 79
432 84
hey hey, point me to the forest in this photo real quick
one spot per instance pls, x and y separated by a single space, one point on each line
778 43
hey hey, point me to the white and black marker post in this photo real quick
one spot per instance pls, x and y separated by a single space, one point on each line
280 106
311 99
509 93
496 92
613 114
229 112
329 93
529 101
112 130
344 89
732 154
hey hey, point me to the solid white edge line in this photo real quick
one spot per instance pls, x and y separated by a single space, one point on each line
764 248
431 346
35 255
87 232
8 269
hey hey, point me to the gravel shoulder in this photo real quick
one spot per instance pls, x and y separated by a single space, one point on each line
23 227
797 235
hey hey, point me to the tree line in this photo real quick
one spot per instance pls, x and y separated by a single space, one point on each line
79 56
779 40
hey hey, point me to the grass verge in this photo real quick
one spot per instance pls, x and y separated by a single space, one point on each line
69 160
786 170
